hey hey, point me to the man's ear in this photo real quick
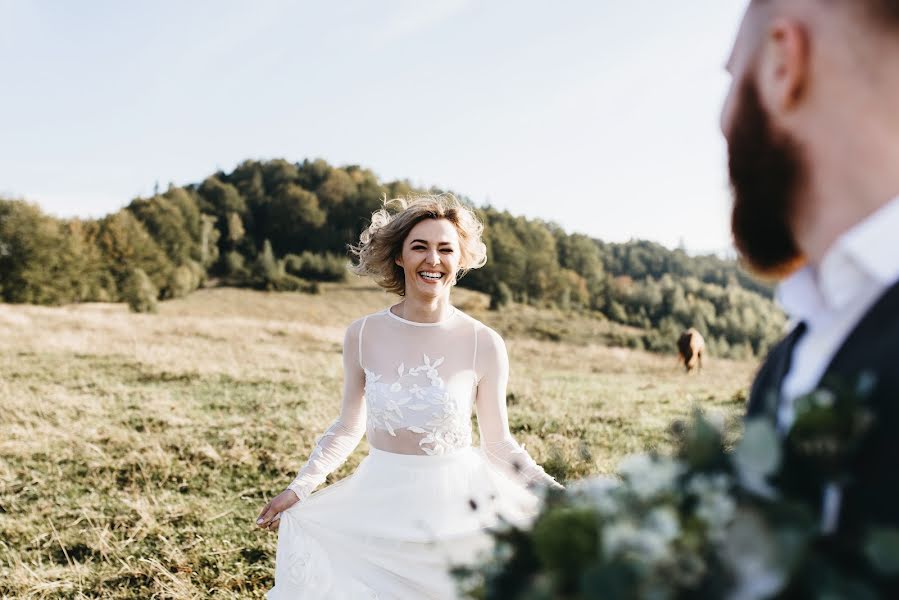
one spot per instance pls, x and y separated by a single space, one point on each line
784 70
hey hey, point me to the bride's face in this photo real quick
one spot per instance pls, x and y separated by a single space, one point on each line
430 258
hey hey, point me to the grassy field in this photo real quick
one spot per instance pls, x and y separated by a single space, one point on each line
136 450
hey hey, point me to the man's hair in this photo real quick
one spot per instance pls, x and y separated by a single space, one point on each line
884 12
881 13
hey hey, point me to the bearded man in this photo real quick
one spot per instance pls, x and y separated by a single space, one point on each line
812 126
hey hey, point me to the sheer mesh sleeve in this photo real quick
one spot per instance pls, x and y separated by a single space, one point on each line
501 449
342 437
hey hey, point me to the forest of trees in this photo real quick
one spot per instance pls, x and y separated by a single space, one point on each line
278 225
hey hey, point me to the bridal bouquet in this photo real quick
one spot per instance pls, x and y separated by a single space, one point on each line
710 521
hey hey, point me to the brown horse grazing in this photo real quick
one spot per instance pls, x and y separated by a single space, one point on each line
690 346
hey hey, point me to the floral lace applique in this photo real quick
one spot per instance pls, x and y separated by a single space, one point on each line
384 412
448 430
448 427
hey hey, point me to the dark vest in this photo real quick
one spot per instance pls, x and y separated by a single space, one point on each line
872 346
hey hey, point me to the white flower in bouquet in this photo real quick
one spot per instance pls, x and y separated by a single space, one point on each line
715 506
647 544
824 398
753 556
820 398
650 477
703 484
758 455
716 419
663 520
597 492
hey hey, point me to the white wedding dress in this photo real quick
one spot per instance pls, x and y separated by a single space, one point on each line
421 499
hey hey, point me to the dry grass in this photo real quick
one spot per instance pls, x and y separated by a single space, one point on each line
135 451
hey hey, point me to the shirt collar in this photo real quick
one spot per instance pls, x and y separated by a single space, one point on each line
799 296
874 244
866 255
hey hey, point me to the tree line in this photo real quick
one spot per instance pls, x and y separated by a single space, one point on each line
277 225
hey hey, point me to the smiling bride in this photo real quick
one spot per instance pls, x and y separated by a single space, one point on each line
420 501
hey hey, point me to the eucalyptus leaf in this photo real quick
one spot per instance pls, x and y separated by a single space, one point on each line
881 547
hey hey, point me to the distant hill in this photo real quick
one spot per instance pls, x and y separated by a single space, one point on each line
641 259
278 225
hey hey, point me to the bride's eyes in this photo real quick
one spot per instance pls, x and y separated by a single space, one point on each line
443 250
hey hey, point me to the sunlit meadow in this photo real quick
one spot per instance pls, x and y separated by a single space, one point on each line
136 450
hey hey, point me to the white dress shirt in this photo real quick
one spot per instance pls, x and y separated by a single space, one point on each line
860 266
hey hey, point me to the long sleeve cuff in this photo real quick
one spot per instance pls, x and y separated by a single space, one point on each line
514 459
331 450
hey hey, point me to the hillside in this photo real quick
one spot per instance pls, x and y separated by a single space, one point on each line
285 226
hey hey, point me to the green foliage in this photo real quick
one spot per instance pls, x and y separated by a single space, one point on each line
316 267
165 223
279 225
337 188
266 269
126 245
641 259
735 322
209 235
687 524
40 262
235 267
235 230
93 281
140 293
640 284
501 296
565 541
220 198
289 283
187 203
579 254
293 212
268 273
184 279
180 283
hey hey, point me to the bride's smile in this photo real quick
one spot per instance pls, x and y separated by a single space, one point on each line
430 259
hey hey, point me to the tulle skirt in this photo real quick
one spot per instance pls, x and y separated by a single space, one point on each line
393 528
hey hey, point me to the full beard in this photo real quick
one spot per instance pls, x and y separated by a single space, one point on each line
766 172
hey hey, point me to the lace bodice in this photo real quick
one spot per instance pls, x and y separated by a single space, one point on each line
412 407
420 385
411 387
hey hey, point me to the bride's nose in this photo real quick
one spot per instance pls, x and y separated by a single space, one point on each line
434 258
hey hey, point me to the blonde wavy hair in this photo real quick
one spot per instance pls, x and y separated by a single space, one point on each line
382 242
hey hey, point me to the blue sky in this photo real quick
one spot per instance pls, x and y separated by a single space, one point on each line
601 116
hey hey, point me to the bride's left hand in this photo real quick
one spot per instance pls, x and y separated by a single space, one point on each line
270 517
